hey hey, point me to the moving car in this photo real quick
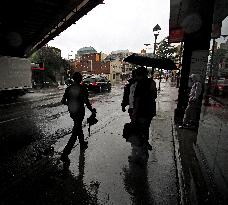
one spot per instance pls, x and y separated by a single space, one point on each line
97 84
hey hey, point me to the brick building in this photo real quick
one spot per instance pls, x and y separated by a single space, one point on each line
112 66
92 64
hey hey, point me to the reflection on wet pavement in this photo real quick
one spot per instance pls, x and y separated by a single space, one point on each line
136 182
51 185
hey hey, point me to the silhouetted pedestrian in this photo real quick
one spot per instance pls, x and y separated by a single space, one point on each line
128 96
144 103
75 96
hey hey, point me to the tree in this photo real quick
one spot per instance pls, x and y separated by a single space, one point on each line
53 62
166 50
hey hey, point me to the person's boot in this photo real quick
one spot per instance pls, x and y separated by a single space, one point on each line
149 147
83 145
184 126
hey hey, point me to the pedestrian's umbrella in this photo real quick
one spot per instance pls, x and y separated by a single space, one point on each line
161 63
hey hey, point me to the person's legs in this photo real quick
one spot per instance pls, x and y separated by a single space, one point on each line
80 134
69 147
147 132
147 128
130 112
76 132
191 115
143 125
187 114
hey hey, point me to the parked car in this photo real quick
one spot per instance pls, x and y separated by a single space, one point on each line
97 84
220 88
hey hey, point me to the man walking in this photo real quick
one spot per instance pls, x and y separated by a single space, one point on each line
128 96
144 103
75 96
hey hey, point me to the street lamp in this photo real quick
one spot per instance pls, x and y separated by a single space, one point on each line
156 30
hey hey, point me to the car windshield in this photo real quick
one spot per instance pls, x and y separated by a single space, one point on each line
89 80
220 81
94 79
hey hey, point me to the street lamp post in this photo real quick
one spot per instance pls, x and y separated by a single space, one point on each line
156 30
155 42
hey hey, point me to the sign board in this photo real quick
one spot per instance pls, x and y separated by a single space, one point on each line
183 15
176 35
199 62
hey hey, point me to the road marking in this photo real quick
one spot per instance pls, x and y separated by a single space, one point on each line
9 120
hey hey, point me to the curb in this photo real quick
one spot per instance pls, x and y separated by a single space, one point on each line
219 101
179 171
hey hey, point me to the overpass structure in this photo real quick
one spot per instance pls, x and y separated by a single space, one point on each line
26 26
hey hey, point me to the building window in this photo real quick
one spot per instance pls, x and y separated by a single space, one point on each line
114 76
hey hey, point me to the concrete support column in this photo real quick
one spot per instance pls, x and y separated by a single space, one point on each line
194 40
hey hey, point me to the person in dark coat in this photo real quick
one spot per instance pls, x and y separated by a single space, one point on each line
75 96
144 103
127 90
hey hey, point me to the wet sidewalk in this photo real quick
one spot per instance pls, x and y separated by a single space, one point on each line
184 167
118 180
102 174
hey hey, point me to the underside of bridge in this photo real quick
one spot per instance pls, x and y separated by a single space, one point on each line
26 26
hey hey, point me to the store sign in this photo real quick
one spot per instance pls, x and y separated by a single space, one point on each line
199 62
183 14
176 35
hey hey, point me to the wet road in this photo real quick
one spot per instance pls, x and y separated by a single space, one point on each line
34 133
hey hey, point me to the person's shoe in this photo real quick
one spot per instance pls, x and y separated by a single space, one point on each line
188 126
149 147
84 145
184 126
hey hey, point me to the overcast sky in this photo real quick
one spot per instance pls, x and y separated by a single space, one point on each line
119 25
115 25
